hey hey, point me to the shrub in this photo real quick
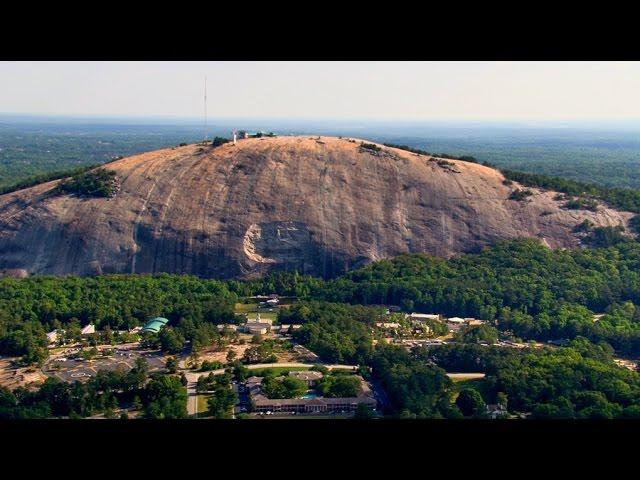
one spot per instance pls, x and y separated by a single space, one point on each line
585 226
603 237
96 183
217 141
370 146
208 366
520 194
445 163
581 204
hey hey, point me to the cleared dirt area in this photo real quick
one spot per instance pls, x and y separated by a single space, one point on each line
212 355
12 377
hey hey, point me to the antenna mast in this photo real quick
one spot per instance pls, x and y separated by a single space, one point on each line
205 109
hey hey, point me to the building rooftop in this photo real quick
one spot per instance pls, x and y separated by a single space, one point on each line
155 324
88 329
456 320
428 316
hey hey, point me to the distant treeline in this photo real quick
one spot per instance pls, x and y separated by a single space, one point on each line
47 177
622 198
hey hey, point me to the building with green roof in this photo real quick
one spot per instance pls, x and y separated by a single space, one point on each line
155 324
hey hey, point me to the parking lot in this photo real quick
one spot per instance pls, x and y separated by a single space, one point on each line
71 370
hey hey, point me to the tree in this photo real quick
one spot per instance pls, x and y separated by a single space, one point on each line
363 412
294 387
340 386
141 365
240 372
172 364
165 397
470 403
231 355
96 183
170 340
477 333
217 141
220 404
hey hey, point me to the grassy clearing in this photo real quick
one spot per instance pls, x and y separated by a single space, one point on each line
202 406
464 378
251 309
478 384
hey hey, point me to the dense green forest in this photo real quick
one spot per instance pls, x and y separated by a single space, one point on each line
31 307
578 381
521 287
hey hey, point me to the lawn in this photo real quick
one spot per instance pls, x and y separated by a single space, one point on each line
252 309
464 378
478 384
202 403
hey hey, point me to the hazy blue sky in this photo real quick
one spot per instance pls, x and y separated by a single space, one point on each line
324 89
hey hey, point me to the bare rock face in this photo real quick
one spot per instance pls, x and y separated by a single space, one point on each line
320 206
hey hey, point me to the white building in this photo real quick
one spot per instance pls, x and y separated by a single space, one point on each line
474 321
455 323
228 326
52 336
88 330
457 320
256 327
424 316
387 325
